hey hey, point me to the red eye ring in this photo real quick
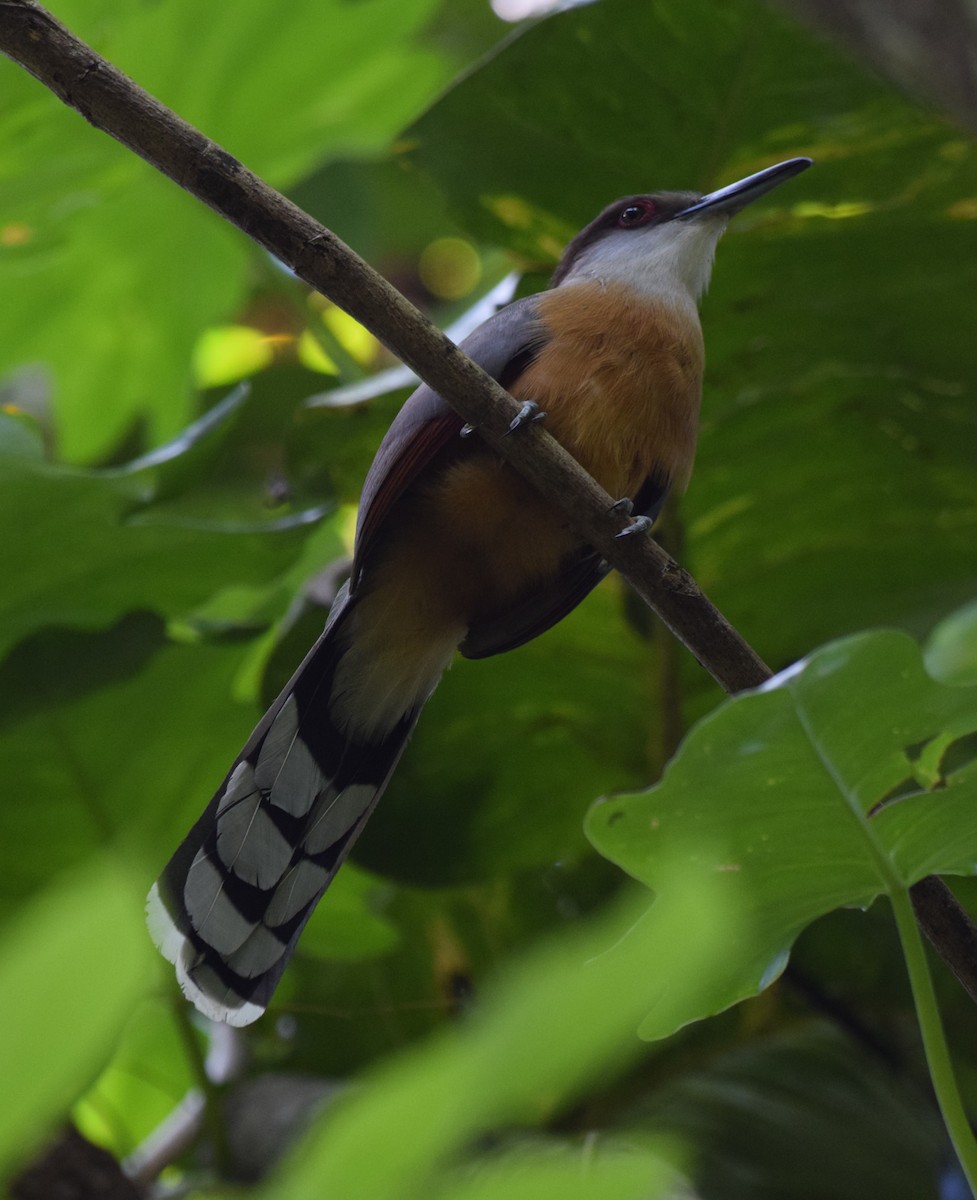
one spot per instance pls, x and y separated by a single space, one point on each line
637 212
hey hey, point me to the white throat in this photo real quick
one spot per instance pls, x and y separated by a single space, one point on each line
672 262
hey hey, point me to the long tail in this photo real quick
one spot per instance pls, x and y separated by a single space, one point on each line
231 903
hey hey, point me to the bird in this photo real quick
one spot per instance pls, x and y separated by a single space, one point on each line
454 551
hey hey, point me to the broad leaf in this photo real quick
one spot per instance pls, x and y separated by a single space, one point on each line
828 787
127 1099
567 1172
836 429
951 652
71 968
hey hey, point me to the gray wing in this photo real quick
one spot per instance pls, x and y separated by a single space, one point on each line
426 426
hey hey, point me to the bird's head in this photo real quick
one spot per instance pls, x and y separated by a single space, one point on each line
664 243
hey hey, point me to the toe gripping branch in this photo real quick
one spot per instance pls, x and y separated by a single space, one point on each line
529 413
639 524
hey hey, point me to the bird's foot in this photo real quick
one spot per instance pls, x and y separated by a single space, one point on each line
466 430
639 524
529 413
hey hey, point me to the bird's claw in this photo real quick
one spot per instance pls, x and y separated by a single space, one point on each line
529 413
624 506
638 525
466 430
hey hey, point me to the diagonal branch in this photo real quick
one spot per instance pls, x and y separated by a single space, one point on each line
112 102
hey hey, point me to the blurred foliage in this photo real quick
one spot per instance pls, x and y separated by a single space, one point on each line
282 90
171 542
81 937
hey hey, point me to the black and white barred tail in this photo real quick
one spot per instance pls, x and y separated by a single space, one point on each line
231 903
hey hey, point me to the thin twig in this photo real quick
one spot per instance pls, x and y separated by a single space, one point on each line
112 102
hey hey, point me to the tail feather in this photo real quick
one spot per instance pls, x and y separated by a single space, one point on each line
230 905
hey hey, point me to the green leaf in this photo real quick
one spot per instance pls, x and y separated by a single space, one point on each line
665 95
151 267
182 461
346 928
788 780
71 968
951 652
144 1081
81 551
562 1172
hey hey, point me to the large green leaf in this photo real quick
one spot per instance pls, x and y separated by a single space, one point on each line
835 485
71 968
789 781
115 271
665 94
561 1172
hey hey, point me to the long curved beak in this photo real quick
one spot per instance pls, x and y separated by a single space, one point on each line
731 199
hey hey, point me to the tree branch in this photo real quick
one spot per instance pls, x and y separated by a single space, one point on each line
112 102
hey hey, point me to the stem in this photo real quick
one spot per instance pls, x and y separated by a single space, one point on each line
934 1038
924 997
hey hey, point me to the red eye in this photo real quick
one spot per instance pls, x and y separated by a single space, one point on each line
638 212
